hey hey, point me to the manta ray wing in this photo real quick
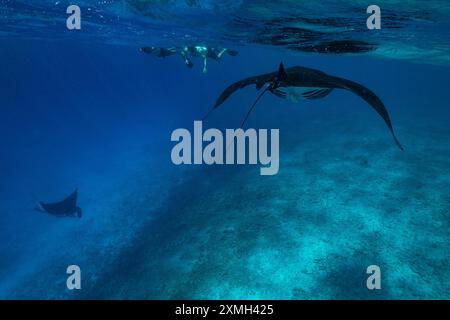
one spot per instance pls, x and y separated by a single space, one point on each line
66 206
371 98
259 81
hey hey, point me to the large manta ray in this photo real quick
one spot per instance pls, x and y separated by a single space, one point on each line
300 82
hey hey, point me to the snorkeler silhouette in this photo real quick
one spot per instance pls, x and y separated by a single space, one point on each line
166 52
300 82
188 52
65 208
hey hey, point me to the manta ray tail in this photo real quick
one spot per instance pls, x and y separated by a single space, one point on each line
253 106
271 87
208 113
372 99
250 111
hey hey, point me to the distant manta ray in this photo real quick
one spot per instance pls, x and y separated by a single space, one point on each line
300 82
65 208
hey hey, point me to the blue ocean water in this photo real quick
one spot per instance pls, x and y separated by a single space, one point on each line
85 109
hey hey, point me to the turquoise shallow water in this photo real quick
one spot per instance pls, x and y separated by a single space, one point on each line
88 110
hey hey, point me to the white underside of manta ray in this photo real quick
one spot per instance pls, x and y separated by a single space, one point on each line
298 82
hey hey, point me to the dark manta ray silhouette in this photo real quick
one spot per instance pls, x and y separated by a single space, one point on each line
300 82
65 208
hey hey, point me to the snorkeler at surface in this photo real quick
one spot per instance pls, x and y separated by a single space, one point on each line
191 51
205 53
166 52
